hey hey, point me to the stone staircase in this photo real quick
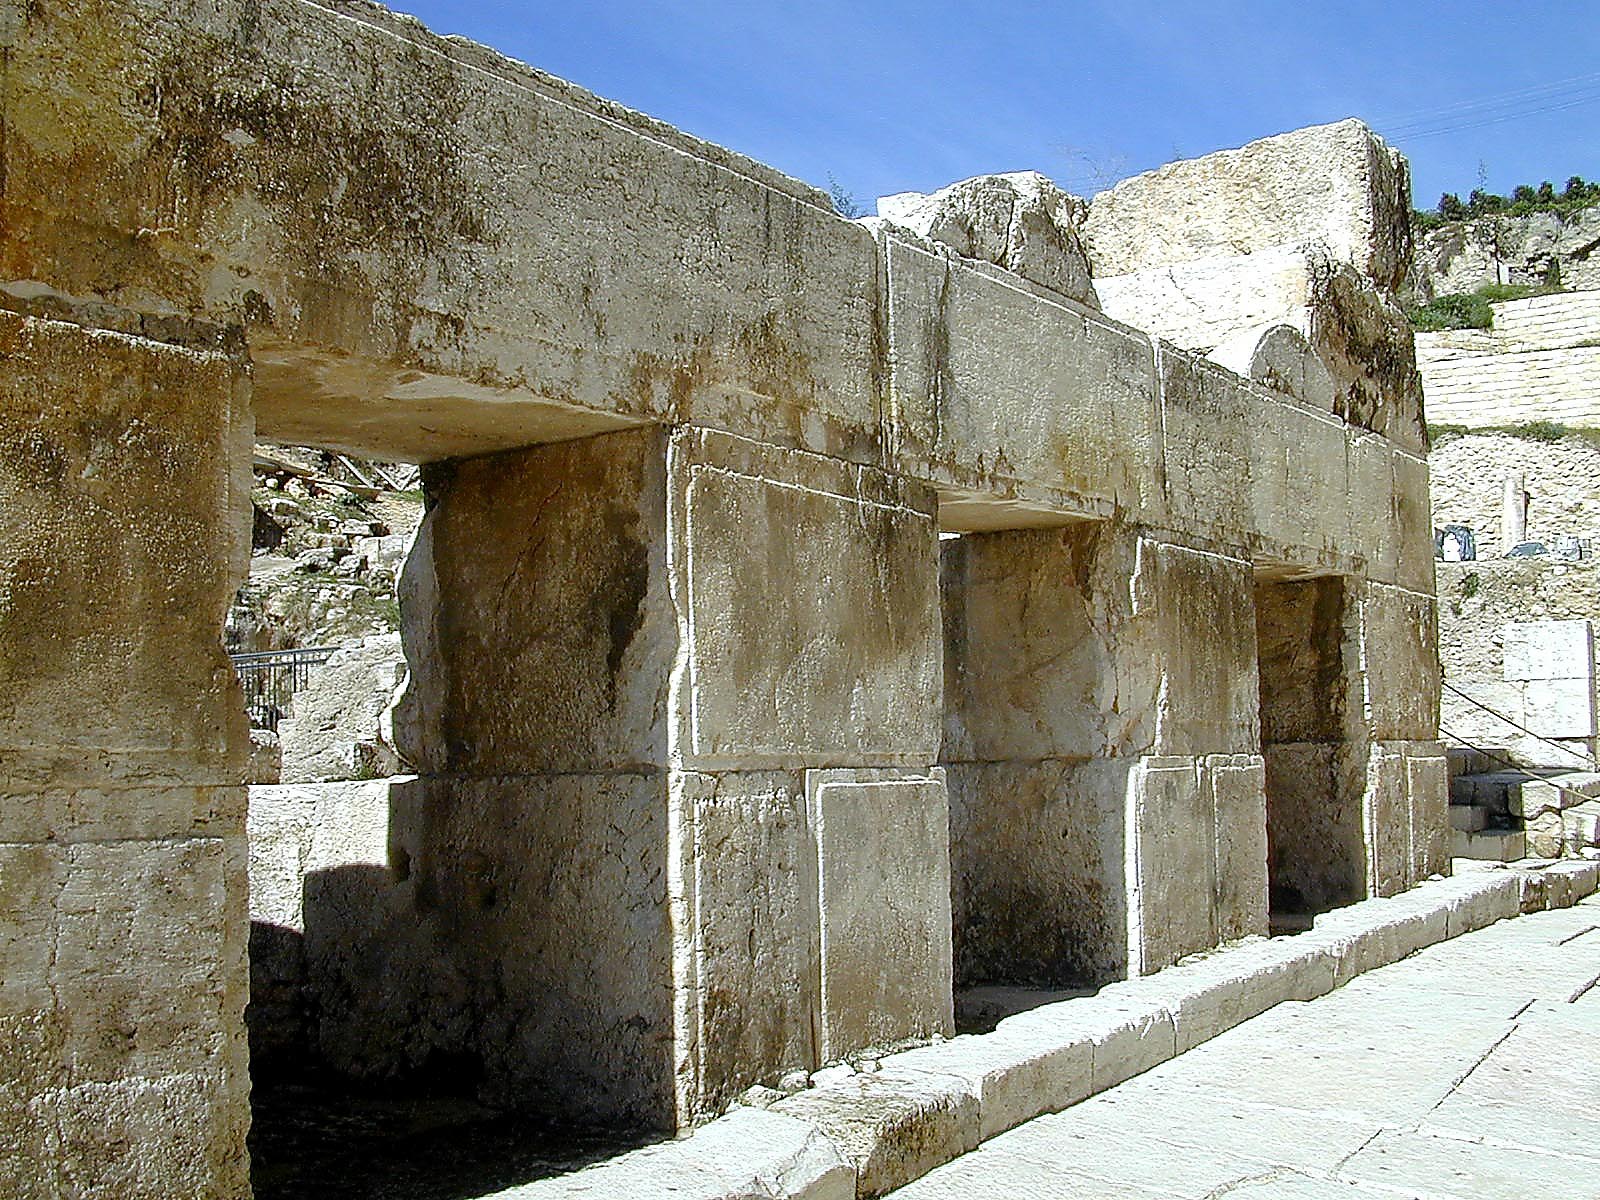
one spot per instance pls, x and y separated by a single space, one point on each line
1501 814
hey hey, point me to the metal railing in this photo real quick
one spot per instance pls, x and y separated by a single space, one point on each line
270 678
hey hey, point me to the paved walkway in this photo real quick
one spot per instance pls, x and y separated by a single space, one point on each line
1470 1070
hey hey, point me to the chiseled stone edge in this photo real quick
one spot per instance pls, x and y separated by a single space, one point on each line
867 1133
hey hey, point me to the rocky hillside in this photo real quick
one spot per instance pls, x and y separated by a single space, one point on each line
1533 249
327 550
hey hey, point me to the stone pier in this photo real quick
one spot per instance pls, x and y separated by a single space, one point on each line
727 759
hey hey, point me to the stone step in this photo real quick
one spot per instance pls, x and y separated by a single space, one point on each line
1466 760
1490 845
1469 818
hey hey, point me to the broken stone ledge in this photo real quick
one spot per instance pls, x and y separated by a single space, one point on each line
865 1133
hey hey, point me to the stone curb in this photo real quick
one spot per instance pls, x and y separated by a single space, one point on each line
870 1132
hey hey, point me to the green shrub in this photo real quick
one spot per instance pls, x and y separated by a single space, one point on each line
1470 310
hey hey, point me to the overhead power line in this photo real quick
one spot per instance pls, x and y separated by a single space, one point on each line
1556 96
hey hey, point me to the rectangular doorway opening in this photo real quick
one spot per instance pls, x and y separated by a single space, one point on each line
1315 849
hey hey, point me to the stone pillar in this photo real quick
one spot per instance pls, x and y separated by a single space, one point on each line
676 829
813 906
1513 514
1197 820
124 509
1406 813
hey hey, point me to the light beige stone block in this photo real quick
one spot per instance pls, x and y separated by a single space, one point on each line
1275 191
1548 650
811 606
748 1153
1129 1031
1559 708
1017 1073
894 1126
884 898
1428 795
1399 634
1175 862
756 919
1239 802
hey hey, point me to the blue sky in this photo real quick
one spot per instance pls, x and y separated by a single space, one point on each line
890 97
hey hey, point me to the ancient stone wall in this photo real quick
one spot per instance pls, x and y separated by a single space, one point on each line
124 502
684 665
1540 362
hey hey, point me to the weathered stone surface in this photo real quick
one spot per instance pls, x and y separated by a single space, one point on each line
418 313
1002 392
810 597
1278 191
539 630
1175 886
1186 605
1017 1073
883 878
756 922
894 1126
1548 650
1279 357
750 1154
122 748
1399 634
1020 221
337 729
1239 802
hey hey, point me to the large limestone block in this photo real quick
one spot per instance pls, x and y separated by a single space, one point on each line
1548 650
809 595
1038 864
1017 1073
124 501
1239 806
883 880
1559 708
1204 409
1204 303
1370 511
1388 820
1174 881
894 1126
1193 614
1299 483
1020 221
1029 665
1399 635
750 1154
537 622
756 924
1129 1030
1338 185
143 1085
998 389
1428 795
438 251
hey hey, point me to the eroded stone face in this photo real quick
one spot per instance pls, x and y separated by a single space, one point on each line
122 873
674 618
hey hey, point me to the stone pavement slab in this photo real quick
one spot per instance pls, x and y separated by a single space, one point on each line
1468 1071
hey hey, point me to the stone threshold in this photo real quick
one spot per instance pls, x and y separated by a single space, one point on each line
865 1132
